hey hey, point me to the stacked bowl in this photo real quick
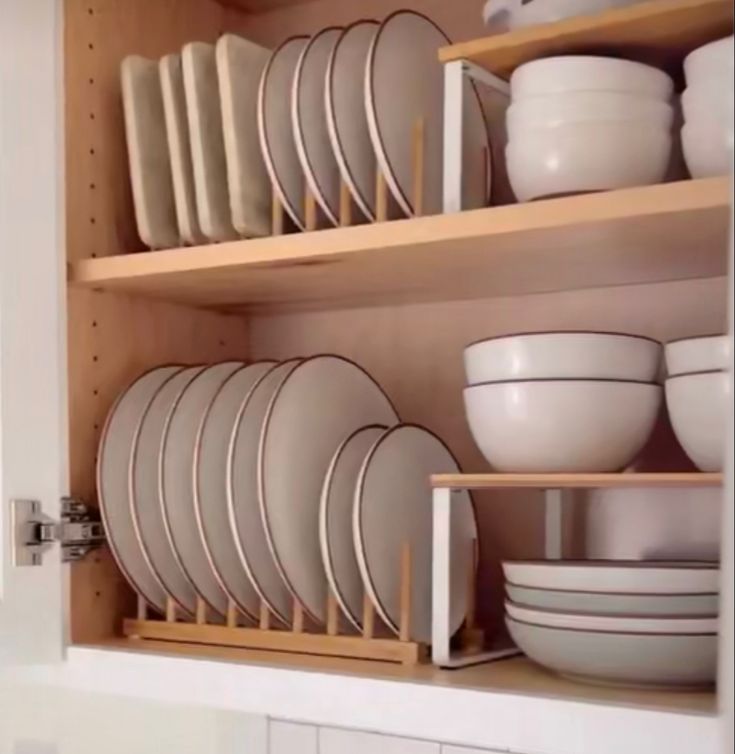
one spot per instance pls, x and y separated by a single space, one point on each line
583 123
698 394
707 102
617 622
559 402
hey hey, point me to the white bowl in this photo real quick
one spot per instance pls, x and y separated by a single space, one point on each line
502 15
587 73
581 355
562 426
616 604
708 103
678 660
623 624
708 147
698 407
708 353
579 157
619 577
582 107
711 63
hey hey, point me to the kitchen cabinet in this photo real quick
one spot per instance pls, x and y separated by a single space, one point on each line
80 316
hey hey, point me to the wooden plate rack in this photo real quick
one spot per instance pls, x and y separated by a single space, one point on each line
237 630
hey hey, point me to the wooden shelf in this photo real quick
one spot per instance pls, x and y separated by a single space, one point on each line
572 481
660 32
655 233
261 6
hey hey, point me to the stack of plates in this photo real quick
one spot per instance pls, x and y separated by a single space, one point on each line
215 131
617 622
274 482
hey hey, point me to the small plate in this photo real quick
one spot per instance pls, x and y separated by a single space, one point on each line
240 65
179 147
148 156
335 521
242 494
309 122
144 480
177 480
404 84
204 112
113 458
275 131
210 485
392 508
322 401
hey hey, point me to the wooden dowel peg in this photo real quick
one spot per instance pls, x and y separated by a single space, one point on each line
404 626
381 197
332 614
368 617
298 617
231 615
345 205
201 613
310 209
142 608
170 610
276 214
418 166
265 616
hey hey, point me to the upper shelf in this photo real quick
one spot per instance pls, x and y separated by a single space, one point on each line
655 233
573 481
660 32
261 6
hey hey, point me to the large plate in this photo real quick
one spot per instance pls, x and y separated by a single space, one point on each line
144 477
179 147
344 100
204 112
148 156
335 521
242 494
275 131
113 460
310 122
393 509
323 400
210 485
177 481
404 82
240 65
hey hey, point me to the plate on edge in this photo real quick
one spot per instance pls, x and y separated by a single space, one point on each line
322 401
179 147
335 521
242 494
204 112
177 480
404 83
113 458
210 485
150 166
240 65
309 121
275 131
344 101
392 508
144 476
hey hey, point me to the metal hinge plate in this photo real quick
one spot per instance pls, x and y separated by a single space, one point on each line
34 533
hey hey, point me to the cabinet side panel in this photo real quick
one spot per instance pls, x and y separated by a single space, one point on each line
112 340
99 34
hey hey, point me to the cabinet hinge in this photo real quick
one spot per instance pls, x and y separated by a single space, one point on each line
34 533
